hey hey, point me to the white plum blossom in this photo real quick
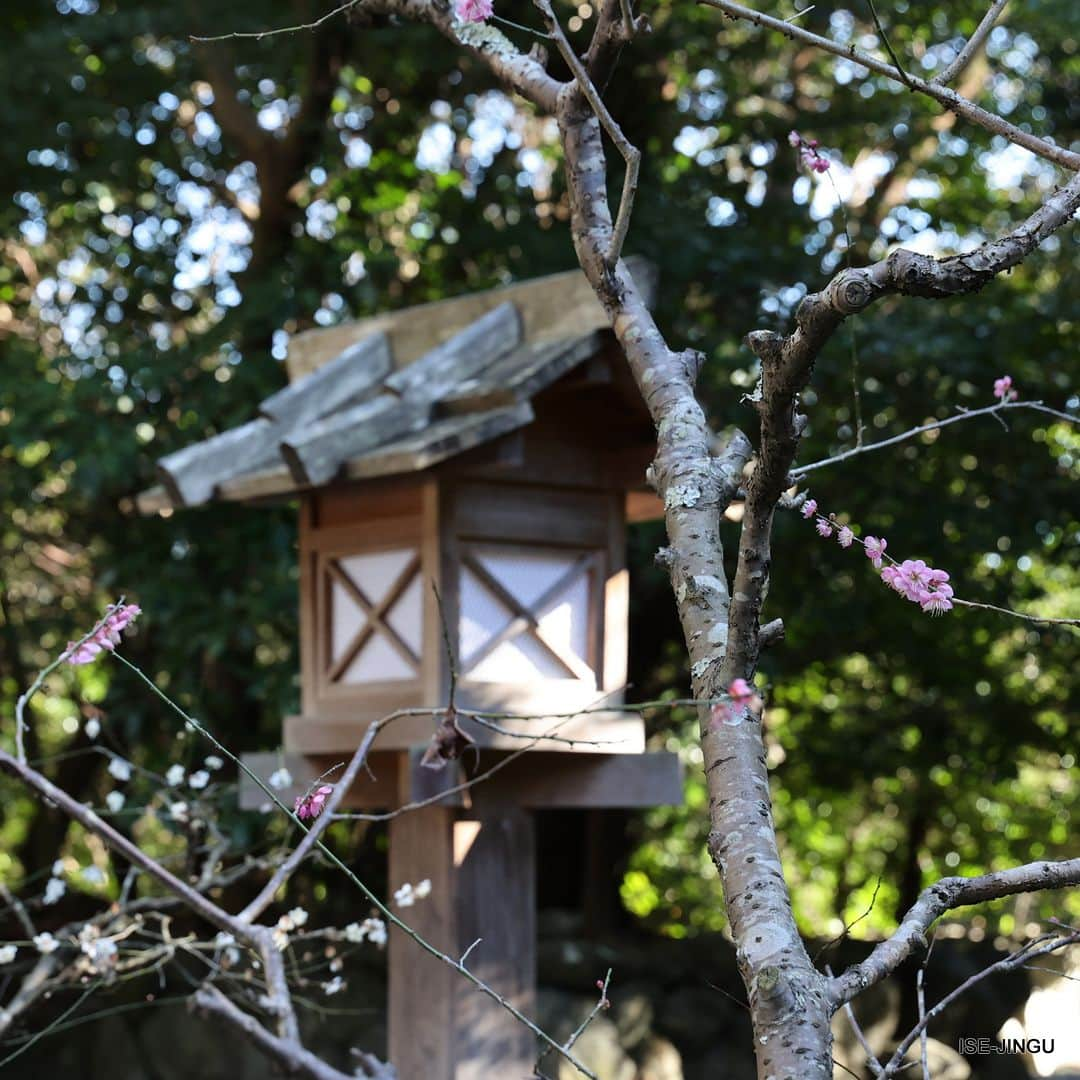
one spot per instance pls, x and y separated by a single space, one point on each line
199 780
214 762
174 775
333 986
120 769
92 727
280 778
178 811
54 890
373 930
115 801
408 894
8 953
101 952
45 943
94 875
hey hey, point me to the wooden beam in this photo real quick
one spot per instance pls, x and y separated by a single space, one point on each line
348 379
537 780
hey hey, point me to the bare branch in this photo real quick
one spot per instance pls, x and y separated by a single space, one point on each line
1041 946
1017 614
293 1058
947 894
933 425
971 46
945 97
630 154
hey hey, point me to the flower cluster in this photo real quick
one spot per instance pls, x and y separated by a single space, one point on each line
809 156
912 578
473 11
290 921
106 637
408 894
373 930
311 805
1003 389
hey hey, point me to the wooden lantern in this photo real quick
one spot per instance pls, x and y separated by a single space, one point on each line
465 472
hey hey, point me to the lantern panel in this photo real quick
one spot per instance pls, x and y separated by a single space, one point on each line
375 617
525 614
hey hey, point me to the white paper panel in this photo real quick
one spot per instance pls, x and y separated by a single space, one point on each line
522 659
482 617
565 621
407 615
526 575
377 661
375 573
346 620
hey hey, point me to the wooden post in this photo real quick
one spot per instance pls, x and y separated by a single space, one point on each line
483 885
421 1007
495 856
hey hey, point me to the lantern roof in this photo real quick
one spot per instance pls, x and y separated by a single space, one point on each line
397 393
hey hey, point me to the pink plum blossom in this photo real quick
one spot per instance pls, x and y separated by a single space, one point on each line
875 550
845 537
809 155
311 805
809 508
105 638
473 11
824 528
938 601
1003 389
741 692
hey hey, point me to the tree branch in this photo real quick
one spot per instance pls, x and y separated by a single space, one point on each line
971 46
293 1058
945 97
947 894
893 440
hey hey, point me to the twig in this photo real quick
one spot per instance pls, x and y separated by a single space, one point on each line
971 46
966 414
872 1062
847 926
39 682
601 1003
630 154
258 35
888 45
1016 614
920 994
1040 946
945 97
19 909
266 895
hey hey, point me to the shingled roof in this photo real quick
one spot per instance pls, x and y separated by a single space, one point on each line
397 393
